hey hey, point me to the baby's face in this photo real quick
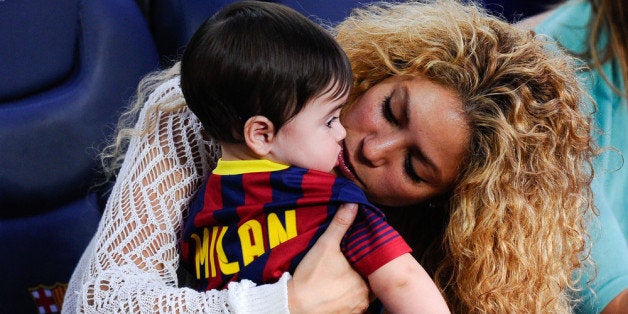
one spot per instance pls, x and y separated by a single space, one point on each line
312 138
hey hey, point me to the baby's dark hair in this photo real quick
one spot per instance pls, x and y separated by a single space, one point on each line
258 58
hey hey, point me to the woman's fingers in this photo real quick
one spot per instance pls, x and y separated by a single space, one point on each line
324 281
340 223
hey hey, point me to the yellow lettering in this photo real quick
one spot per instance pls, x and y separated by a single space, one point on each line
251 240
226 267
212 258
277 233
208 249
201 256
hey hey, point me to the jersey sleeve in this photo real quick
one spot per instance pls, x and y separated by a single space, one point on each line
370 242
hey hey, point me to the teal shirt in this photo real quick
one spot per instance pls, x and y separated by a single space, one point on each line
568 25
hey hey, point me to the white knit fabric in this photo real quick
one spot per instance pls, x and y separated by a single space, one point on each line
130 264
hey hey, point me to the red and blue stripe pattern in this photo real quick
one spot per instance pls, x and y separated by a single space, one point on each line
259 225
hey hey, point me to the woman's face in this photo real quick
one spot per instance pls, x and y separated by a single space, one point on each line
406 138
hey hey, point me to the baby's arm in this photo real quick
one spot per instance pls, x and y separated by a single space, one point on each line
403 286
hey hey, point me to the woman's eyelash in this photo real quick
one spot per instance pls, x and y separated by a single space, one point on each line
387 111
410 170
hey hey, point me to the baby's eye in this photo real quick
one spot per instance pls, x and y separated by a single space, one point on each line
330 121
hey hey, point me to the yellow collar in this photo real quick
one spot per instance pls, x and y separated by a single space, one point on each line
231 167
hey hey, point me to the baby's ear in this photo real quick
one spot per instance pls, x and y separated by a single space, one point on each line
259 133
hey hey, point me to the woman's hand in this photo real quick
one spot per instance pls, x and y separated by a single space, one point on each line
324 282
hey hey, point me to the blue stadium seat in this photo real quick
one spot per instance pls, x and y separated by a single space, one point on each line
67 68
517 10
173 22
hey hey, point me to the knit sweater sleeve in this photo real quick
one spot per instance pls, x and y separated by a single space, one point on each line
130 264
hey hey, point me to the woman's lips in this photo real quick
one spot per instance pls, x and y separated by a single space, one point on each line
345 166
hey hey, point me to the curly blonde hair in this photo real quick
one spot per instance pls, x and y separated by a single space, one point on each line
514 234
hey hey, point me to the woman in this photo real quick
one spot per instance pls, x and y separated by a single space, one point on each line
473 119
595 30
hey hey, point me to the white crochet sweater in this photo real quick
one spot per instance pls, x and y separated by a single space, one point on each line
130 264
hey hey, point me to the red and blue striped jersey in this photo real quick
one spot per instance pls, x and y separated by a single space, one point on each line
258 225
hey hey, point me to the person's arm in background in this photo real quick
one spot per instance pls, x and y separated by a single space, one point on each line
618 305
131 264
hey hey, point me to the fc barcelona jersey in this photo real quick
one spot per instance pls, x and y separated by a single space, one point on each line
246 223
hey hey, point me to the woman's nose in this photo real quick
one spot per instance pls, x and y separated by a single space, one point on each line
378 148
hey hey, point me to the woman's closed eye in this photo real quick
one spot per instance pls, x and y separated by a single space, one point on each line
409 170
387 111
